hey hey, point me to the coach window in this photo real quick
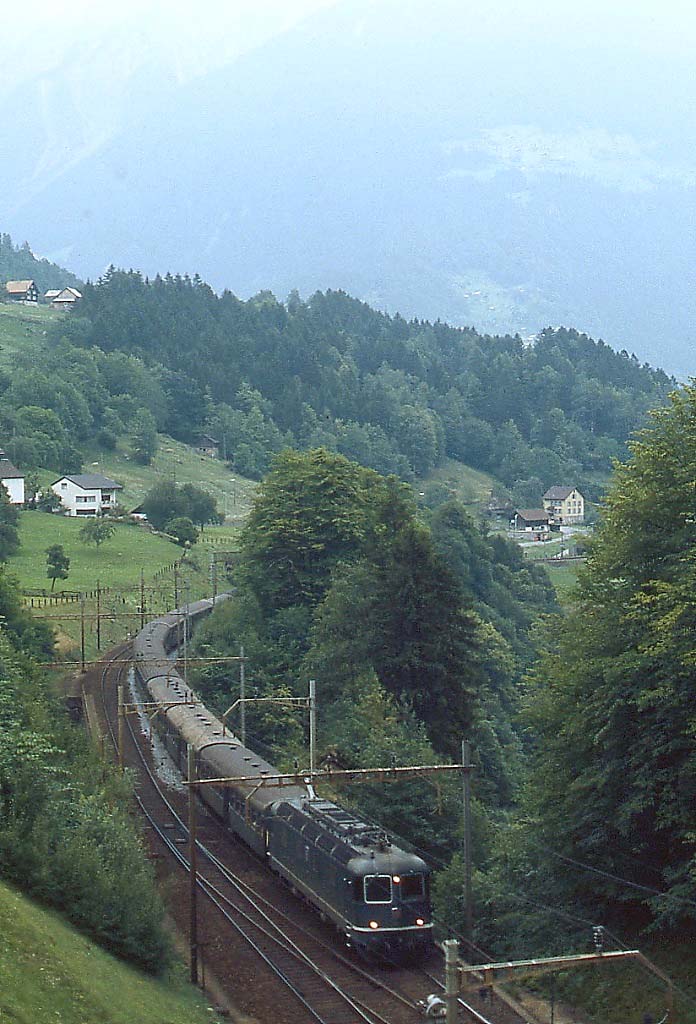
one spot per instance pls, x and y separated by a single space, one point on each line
378 889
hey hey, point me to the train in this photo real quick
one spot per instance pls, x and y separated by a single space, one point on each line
376 894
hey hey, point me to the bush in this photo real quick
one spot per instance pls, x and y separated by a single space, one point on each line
182 529
65 835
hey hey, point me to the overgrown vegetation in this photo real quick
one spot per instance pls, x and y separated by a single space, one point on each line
604 831
50 973
168 501
9 519
341 581
65 835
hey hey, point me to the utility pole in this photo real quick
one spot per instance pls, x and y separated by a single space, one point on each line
213 575
451 979
193 874
98 616
142 599
312 727
242 696
176 584
186 611
82 631
121 728
466 795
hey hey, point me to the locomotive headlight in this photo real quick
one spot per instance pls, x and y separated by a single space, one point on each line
420 922
396 879
374 924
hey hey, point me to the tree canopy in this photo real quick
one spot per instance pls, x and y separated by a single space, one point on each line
613 704
9 520
330 372
96 530
168 500
57 564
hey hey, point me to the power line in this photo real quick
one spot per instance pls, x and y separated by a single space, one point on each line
622 881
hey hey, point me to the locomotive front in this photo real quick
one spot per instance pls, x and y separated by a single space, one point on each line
390 906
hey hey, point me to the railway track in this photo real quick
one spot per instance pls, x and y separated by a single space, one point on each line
255 930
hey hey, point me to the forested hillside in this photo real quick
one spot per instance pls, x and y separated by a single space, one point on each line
18 263
416 634
604 831
66 837
398 396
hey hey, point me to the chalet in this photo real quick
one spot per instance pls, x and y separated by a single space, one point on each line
532 520
86 494
22 291
208 445
565 504
12 480
66 298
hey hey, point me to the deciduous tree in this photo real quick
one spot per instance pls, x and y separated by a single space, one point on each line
9 520
57 564
96 530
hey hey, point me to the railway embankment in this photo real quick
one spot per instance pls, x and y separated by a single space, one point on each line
52 972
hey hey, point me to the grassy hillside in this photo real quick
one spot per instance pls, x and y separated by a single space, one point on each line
51 973
174 461
117 562
469 486
22 328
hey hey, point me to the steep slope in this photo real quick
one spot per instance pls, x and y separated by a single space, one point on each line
50 972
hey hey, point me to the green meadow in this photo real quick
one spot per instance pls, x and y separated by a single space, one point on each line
52 973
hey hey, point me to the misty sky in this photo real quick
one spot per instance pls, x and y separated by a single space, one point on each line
197 37
506 163
200 36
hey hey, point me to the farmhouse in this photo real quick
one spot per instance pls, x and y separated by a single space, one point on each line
65 298
22 291
208 445
565 504
533 520
12 480
86 494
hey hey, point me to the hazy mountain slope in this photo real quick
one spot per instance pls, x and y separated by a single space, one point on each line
505 169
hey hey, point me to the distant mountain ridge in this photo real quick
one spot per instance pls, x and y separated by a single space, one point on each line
505 168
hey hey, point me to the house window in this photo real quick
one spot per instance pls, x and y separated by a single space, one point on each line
63 484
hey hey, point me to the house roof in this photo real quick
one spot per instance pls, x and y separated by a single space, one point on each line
91 481
66 295
558 493
52 292
8 471
532 513
15 287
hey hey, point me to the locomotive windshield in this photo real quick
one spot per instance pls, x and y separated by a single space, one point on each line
378 888
412 887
